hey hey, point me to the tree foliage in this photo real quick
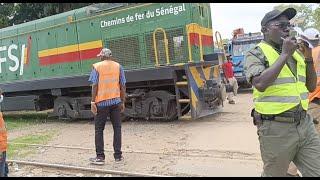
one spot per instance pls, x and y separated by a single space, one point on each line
6 12
306 16
316 16
17 13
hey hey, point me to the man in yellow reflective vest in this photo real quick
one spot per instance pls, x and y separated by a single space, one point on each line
282 77
3 144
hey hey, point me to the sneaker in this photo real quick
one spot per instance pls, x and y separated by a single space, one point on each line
291 175
97 161
315 121
118 159
232 102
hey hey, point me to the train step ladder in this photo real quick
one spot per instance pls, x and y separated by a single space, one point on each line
179 85
185 117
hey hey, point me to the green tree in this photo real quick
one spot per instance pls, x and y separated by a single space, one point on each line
17 13
30 11
6 12
305 17
25 12
316 16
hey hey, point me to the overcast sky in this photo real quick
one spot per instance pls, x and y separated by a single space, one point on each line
229 16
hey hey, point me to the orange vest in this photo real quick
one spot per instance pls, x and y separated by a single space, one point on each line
3 135
316 60
109 76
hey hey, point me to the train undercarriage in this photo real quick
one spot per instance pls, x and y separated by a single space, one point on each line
167 93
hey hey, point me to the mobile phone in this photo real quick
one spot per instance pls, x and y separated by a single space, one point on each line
293 33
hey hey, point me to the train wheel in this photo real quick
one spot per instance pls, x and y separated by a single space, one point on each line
163 105
172 111
123 117
61 107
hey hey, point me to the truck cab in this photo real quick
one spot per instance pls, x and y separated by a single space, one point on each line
238 46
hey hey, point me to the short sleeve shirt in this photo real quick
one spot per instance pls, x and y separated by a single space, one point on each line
255 63
228 70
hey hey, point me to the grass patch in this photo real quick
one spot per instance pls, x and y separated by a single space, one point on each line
21 151
23 119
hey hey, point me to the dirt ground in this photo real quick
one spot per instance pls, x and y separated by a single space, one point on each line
225 144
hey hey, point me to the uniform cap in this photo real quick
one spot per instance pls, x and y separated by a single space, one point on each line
310 36
105 52
289 12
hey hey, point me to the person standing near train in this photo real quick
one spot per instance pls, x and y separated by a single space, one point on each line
227 68
3 144
108 98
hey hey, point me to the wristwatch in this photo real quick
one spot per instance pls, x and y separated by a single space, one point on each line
308 59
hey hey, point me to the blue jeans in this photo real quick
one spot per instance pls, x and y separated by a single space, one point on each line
4 170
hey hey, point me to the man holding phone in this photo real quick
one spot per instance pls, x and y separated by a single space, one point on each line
282 77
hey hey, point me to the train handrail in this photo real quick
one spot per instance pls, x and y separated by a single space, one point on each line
189 43
219 43
165 45
201 48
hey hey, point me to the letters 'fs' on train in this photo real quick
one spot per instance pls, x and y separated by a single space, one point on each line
167 51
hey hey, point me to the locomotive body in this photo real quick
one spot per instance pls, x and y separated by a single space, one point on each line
165 49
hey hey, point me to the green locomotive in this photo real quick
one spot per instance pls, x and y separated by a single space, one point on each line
166 49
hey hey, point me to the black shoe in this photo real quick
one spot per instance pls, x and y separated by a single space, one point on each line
97 161
118 159
315 121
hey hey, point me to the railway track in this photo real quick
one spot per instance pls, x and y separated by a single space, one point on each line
81 170
180 152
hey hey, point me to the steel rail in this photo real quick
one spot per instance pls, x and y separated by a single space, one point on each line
107 171
81 148
183 153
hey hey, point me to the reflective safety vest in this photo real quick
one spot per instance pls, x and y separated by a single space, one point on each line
3 134
109 76
287 91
